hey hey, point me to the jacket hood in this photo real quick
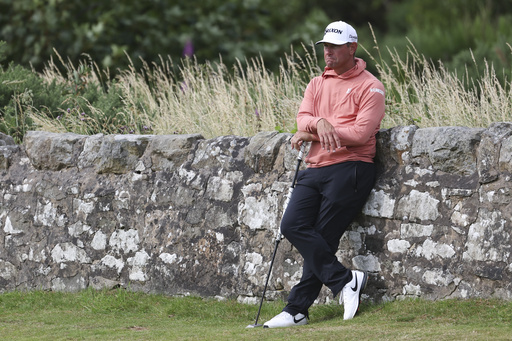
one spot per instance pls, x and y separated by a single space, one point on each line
353 72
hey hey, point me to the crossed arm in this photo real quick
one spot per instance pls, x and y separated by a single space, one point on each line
325 134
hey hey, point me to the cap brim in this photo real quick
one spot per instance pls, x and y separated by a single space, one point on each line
331 42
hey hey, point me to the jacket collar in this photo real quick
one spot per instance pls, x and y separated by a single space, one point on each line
353 72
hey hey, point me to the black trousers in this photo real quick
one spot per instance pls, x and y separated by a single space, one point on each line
323 204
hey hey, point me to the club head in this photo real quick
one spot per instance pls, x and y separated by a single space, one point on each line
254 325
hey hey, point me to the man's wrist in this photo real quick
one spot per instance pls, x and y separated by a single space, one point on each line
316 124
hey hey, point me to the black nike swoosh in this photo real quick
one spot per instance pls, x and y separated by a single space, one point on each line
354 289
297 321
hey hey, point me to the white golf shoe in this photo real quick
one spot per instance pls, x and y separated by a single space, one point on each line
285 319
351 294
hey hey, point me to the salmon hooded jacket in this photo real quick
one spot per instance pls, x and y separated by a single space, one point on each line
354 103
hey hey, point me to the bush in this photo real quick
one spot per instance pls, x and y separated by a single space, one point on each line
108 31
3 51
22 92
77 101
92 103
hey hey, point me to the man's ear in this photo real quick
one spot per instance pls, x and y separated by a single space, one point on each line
353 48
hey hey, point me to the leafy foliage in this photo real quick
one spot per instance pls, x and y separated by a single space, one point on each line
3 48
21 90
78 101
146 93
144 30
227 30
466 35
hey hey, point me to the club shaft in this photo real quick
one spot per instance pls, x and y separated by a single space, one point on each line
279 235
268 277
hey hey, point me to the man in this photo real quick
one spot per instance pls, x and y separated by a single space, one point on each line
340 115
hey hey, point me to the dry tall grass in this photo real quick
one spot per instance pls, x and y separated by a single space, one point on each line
210 99
215 100
428 95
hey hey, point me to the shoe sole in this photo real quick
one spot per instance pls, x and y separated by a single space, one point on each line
291 325
363 286
365 280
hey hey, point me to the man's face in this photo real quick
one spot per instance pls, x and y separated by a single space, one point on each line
340 58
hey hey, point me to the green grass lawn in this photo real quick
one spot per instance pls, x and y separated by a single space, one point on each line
122 315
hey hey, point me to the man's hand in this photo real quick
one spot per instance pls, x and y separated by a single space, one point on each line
300 137
329 139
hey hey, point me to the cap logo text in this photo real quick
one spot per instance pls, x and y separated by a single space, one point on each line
334 30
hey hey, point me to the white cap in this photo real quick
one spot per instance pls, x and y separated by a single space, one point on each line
339 33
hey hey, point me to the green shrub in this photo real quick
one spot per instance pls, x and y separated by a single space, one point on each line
77 100
21 92
3 51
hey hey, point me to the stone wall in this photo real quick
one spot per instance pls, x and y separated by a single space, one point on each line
183 215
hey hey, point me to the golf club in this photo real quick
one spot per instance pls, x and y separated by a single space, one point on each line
279 236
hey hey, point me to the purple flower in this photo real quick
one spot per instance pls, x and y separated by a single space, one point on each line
183 87
188 50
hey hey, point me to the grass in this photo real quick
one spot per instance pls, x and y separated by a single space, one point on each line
123 315
211 98
427 94
215 99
